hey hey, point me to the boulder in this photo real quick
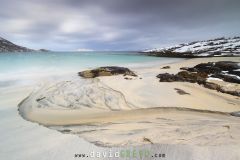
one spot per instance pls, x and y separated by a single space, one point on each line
227 77
235 72
166 67
166 77
106 71
226 70
192 77
227 65
208 68
183 76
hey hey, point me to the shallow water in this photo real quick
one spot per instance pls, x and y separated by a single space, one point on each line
24 68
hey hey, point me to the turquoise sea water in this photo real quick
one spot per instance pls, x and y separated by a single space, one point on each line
16 67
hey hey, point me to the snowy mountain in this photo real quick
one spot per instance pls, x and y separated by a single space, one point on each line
215 47
7 46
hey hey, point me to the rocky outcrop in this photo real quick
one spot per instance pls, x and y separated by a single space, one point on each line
106 71
225 70
166 67
183 76
7 46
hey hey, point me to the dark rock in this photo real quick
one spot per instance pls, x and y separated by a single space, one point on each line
166 67
187 76
106 71
170 53
184 68
189 69
227 77
218 88
234 72
227 65
218 66
234 93
66 130
145 139
127 78
183 76
192 77
213 86
224 70
236 114
208 68
166 77
181 92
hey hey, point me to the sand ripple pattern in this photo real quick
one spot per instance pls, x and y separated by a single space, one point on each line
101 115
78 95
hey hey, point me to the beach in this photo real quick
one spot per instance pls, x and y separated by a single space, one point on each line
23 140
148 91
139 112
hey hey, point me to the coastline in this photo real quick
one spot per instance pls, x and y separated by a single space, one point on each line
35 140
149 99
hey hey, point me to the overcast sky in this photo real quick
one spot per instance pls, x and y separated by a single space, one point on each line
116 24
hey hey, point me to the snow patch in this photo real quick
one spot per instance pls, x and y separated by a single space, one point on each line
216 47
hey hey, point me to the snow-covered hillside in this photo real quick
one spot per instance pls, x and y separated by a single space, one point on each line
214 47
7 46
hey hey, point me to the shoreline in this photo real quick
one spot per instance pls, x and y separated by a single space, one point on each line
143 93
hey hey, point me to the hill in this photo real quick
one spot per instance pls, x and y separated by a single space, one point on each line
7 46
209 48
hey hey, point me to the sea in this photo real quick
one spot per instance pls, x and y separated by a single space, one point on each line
30 67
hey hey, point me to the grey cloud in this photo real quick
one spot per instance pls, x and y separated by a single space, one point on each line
116 25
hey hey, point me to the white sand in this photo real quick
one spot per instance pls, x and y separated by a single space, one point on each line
181 134
116 100
149 92
23 140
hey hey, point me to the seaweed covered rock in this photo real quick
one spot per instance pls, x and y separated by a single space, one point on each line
226 70
183 76
166 77
106 71
192 77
